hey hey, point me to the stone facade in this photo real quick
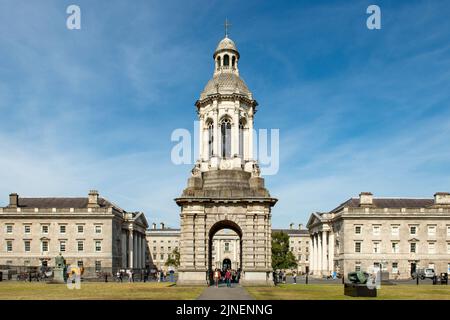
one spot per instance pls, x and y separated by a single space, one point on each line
90 232
397 235
161 243
225 190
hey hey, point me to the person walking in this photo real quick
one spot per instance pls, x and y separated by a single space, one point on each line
228 278
216 277
294 276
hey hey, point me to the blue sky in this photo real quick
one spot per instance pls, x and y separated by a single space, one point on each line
358 110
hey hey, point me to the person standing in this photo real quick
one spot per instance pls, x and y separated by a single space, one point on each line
228 278
294 276
216 277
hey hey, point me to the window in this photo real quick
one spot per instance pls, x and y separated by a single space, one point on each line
80 228
357 267
98 229
98 246
98 266
9 246
218 62
80 246
9 228
169 249
413 247
395 247
431 247
413 230
27 229
62 246
162 248
162 256
376 247
306 258
395 230
357 229
357 247
394 267
376 230
448 231
448 247
154 257
227 246
62 228
27 245
154 248
45 229
292 249
44 246
233 61
226 60
210 139
226 138
432 231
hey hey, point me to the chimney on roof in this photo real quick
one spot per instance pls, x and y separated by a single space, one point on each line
291 226
442 198
162 225
365 199
13 200
93 199
154 226
300 226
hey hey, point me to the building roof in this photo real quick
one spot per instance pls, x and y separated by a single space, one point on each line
226 44
226 83
60 203
388 203
292 231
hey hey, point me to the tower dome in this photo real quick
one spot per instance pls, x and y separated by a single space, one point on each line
224 45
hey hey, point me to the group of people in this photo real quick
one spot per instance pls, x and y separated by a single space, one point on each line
122 273
227 275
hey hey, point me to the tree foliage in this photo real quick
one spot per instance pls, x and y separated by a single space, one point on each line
173 259
282 257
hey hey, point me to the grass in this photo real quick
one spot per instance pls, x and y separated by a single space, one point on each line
336 292
97 291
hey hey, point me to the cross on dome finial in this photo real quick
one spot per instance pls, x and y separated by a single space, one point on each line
227 24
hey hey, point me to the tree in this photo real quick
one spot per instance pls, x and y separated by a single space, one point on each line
282 257
173 259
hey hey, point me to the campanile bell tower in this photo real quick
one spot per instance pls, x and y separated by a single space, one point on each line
225 190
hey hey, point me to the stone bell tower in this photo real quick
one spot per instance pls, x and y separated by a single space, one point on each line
225 190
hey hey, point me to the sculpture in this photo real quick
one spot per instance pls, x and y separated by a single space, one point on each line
59 261
358 277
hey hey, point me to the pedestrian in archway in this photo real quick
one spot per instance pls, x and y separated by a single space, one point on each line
216 277
228 278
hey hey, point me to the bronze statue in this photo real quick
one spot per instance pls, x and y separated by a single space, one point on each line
59 261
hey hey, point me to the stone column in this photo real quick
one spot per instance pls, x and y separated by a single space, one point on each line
216 130
235 132
130 248
324 253
250 138
319 252
310 253
331 251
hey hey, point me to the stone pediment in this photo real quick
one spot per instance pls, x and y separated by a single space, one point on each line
313 219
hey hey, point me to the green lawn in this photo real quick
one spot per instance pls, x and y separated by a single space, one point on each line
97 291
336 292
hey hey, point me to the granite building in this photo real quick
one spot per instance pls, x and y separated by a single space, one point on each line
88 231
398 235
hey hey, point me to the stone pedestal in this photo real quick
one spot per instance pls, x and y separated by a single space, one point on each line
58 275
359 290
